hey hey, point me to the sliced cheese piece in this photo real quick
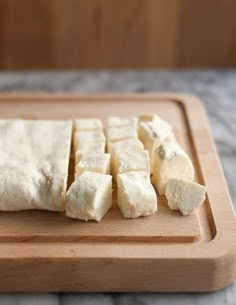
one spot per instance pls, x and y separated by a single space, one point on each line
89 196
99 163
115 121
145 117
154 132
120 133
34 164
185 196
133 161
128 145
92 136
136 195
170 161
88 124
85 148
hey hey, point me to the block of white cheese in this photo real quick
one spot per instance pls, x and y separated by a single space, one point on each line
185 196
136 195
120 133
115 121
88 124
170 161
89 196
128 145
34 159
90 136
154 132
85 148
94 162
133 161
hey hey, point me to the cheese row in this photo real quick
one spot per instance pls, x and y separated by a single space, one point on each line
90 195
130 168
171 167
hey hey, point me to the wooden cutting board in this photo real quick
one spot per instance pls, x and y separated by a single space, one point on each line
45 251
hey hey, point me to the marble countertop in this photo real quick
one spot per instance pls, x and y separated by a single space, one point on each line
216 88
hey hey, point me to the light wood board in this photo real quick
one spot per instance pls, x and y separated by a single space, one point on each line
45 251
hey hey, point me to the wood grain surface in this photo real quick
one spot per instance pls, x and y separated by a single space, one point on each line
117 34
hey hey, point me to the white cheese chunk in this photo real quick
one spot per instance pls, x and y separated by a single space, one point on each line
88 124
151 119
154 132
170 161
34 164
133 161
114 121
85 148
89 196
93 136
120 133
92 162
136 195
185 196
128 145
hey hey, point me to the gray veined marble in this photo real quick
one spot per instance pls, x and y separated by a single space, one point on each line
216 88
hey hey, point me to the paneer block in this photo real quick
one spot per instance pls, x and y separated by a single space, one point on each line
136 195
85 148
170 161
114 121
88 124
93 136
123 146
89 196
154 132
34 164
185 196
92 162
133 161
120 133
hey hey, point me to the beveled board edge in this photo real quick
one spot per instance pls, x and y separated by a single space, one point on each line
214 262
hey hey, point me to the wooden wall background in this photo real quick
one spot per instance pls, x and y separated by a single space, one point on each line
117 33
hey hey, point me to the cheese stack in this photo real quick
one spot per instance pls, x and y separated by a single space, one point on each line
90 195
171 167
130 168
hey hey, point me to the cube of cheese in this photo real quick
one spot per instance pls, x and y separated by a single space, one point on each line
120 133
185 196
133 161
145 117
89 196
88 124
85 148
123 146
170 161
136 195
93 136
154 132
99 163
114 121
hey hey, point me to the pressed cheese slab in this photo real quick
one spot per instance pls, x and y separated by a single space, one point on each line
162 252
